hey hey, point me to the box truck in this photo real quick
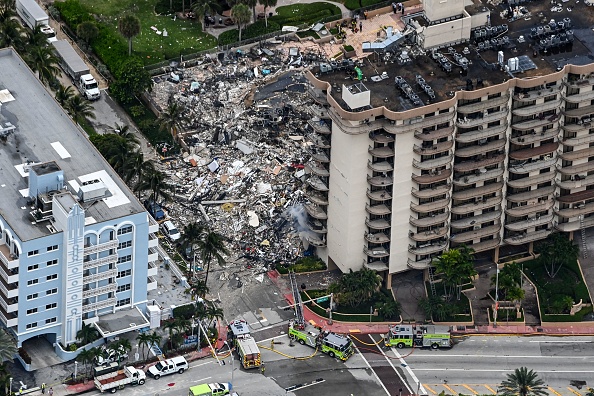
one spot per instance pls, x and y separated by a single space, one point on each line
33 15
77 69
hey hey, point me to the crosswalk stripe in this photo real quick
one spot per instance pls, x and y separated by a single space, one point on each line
554 391
470 389
574 391
450 389
429 389
490 389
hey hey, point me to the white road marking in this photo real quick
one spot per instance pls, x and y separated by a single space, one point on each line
390 362
436 355
202 364
373 371
410 372
557 341
501 370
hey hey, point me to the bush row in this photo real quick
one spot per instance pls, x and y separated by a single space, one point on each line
298 19
254 30
304 264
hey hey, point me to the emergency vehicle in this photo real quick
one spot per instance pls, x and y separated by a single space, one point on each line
335 345
245 345
433 336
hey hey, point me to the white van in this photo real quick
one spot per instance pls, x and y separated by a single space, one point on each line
170 230
176 364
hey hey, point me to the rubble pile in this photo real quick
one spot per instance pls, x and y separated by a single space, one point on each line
242 169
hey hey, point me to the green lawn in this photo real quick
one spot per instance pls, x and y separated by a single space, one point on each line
296 14
184 37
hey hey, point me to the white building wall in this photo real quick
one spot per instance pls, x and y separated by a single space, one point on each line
447 32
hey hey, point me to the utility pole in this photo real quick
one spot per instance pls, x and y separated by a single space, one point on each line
496 297
330 313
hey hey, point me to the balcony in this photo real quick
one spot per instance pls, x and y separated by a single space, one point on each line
378 237
316 183
467 166
434 149
318 141
111 259
578 141
377 224
320 126
534 137
536 123
434 135
316 211
8 259
153 255
153 240
483 105
538 93
8 319
431 192
533 166
480 148
433 163
379 181
378 209
581 196
529 223
433 177
153 269
580 97
101 247
316 226
316 197
429 235
110 302
537 108
151 283
531 180
429 220
469 179
418 265
428 248
100 276
376 252
475 192
525 154
431 206
381 152
577 169
319 111
318 155
10 290
476 205
12 305
382 166
576 182
579 112
476 220
476 233
484 133
575 225
575 211
153 226
383 138
8 275
486 245
376 265
581 83
379 195
100 290
317 170
578 154
527 237
533 207
530 195
485 119
314 240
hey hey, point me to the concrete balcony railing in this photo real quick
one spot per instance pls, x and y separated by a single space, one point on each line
380 181
153 240
377 224
534 137
431 206
10 290
429 220
580 196
531 195
376 265
429 235
532 207
476 205
314 240
476 220
316 197
377 237
376 252
319 111
381 152
434 149
576 210
7 275
110 302
578 141
469 179
531 180
432 177
580 111
485 119
435 134
317 226
538 93
153 226
575 225
418 265
111 259
379 195
317 212
317 184
532 166
10 260
536 123
100 276
428 248
433 163
576 182
100 290
519 239
476 192
320 126
153 269
577 169
479 148
383 138
585 96
577 154
153 254
9 306
431 192
484 133
531 222
151 283
483 105
581 83
528 153
318 155
537 108
318 141
317 169
379 210
8 319
477 233
101 247
467 166
486 245
381 166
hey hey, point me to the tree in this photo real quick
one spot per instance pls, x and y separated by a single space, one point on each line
510 278
266 4
11 34
354 288
137 168
203 7
555 251
455 266
35 38
42 60
251 4
131 80
590 392
125 132
436 308
389 309
172 118
144 340
64 94
129 27
197 289
155 182
213 312
7 8
80 110
241 15
211 246
7 346
170 326
190 236
155 339
86 356
87 31
523 382
88 333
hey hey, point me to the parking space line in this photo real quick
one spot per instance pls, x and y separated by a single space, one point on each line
490 389
574 391
554 391
470 389
450 389
429 389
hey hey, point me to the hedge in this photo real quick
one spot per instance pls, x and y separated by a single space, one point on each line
578 317
251 31
304 264
356 4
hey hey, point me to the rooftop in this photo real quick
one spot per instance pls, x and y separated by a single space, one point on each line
482 65
45 134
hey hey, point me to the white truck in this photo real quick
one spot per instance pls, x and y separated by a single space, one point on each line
77 69
118 380
33 15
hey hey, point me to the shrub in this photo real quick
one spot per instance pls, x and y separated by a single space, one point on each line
348 48
251 31
356 4
24 355
184 311
162 6
73 13
304 264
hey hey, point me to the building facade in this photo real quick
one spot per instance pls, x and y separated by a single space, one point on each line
76 244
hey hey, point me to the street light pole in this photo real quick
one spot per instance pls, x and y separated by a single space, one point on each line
330 313
496 297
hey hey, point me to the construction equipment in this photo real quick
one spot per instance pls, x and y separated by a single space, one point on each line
238 333
433 336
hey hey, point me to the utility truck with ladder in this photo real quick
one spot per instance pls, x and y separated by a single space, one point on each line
308 333
432 336
245 345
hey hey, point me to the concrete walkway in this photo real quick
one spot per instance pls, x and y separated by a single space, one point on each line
587 263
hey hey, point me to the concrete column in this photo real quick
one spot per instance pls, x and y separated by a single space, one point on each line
531 248
388 280
496 254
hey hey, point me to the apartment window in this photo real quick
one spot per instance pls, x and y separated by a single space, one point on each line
51 277
123 245
122 274
51 320
123 288
32 296
51 291
33 253
52 248
31 311
125 230
124 259
31 325
51 306
125 301
32 282
33 267
52 262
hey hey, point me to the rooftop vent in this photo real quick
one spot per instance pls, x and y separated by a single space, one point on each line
92 190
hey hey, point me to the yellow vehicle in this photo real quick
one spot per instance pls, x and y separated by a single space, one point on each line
219 389
246 347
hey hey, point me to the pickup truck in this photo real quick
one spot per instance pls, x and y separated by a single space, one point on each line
118 380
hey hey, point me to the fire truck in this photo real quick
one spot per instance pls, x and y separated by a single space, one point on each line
335 345
238 333
432 336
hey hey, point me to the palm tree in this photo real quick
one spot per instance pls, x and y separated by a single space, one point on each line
6 9
87 31
252 4
64 94
119 155
213 312
7 346
11 34
211 246
42 60
35 38
88 333
155 339
125 132
137 168
86 356
266 4
191 234
203 7
172 118
523 382
155 182
79 109
170 327
144 340
197 289
241 15
555 251
182 325
129 27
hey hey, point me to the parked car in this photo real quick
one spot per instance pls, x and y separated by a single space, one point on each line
170 230
109 356
177 364
154 209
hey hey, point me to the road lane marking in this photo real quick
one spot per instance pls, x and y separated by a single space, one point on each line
429 389
394 368
450 389
470 389
502 370
410 372
373 371
568 342
438 355
554 391
574 392
490 389
201 364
